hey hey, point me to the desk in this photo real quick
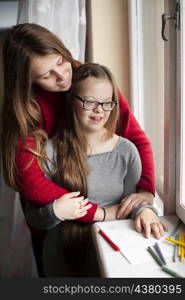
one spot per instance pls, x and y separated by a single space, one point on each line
133 244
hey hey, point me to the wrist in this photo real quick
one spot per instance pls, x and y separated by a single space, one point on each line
99 215
139 208
111 213
104 214
55 210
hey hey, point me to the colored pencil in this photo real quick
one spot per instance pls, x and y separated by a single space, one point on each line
171 272
159 252
175 242
157 259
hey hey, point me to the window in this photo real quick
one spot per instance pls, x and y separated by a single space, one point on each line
158 93
147 78
180 113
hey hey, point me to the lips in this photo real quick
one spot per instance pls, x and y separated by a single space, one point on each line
96 119
65 84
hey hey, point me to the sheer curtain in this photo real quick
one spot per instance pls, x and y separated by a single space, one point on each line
65 18
16 254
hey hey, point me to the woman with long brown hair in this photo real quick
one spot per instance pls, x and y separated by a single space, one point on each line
94 160
37 77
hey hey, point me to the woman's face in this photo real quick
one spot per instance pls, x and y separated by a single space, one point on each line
52 73
97 90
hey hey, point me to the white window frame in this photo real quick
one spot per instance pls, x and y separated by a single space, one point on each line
174 100
180 117
143 82
136 59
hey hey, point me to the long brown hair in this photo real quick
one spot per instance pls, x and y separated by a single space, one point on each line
71 144
21 113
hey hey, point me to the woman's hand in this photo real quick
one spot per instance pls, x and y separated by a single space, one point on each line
130 202
148 222
70 206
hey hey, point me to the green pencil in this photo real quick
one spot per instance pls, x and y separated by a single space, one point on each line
172 273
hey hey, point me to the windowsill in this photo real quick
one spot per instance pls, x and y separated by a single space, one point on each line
158 204
134 246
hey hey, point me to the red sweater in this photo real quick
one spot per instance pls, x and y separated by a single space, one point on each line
35 187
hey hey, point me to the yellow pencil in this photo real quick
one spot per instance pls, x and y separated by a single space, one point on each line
183 240
175 242
181 248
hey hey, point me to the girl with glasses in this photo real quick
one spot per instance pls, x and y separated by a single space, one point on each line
91 158
38 72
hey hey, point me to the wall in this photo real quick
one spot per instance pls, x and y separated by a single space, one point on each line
107 38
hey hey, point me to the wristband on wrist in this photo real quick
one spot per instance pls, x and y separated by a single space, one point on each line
139 208
61 219
104 214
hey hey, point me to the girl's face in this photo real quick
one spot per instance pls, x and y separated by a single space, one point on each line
96 90
52 73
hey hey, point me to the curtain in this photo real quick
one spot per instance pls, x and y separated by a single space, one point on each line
65 18
16 254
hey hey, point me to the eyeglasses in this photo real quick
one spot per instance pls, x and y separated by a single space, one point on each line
91 104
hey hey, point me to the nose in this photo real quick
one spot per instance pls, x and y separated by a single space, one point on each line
99 108
60 75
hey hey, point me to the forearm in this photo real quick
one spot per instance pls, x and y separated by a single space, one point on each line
110 214
33 185
41 217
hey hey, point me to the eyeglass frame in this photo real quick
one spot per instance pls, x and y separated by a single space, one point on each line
97 103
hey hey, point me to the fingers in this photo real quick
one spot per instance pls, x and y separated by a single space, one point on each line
127 206
78 201
147 230
165 227
73 194
157 229
129 203
138 225
148 227
124 209
85 208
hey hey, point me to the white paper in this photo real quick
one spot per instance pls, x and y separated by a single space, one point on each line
133 244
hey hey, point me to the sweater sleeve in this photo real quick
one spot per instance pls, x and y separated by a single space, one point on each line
33 184
130 129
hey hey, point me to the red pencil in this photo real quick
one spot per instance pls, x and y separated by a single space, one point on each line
111 243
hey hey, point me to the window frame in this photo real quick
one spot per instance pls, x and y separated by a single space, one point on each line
180 117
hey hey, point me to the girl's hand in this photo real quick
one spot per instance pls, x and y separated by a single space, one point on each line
130 202
70 206
148 222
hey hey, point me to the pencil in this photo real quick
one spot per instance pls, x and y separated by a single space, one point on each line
183 249
171 272
159 252
175 247
179 247
112 244
157 259
175 242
